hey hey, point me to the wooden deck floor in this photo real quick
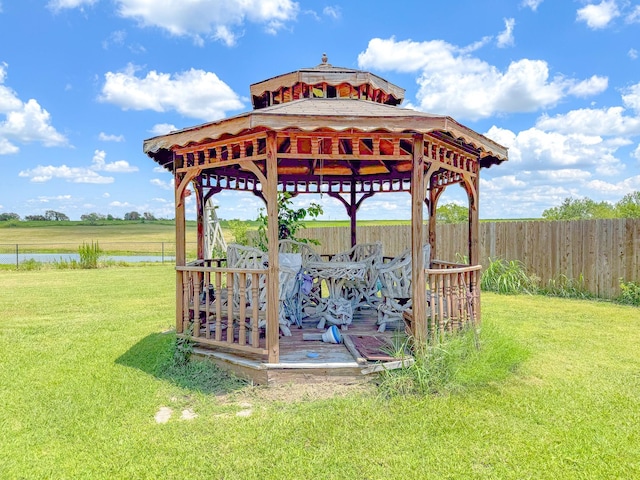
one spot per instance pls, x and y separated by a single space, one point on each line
316 361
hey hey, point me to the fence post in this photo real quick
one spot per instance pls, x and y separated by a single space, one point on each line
162 252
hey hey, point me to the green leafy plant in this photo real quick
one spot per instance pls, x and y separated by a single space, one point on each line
290 220
239 230
630 293
89 255
508 277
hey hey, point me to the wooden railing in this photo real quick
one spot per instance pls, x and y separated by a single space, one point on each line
454 293
453 299
225 307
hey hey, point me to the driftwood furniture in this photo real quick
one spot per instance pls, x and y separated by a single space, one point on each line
324 129
395 286
364 291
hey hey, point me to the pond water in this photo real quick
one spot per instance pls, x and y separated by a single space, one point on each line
10 259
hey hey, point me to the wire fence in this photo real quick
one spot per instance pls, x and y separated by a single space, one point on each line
19 253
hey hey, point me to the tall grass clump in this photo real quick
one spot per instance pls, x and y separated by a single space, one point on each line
89 255
459 361
565 287
630 293
508 277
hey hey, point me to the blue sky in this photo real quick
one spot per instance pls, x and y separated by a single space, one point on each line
84 82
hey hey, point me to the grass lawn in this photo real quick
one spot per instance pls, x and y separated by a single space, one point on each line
82 376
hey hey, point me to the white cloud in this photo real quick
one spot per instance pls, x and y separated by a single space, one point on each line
162 184
536 150
99 165
24 122
194 93
634 16
6 147
589 87
632 53
42 174
117 203
162 129
599 15
505 38
588 121
461 85
209 18
636 152
631 97
532 4
334 12
56 198
104 137
57 5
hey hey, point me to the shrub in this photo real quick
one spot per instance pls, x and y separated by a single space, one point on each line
630 293
239 231
508 278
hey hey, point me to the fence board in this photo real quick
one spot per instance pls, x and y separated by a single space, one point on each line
603 251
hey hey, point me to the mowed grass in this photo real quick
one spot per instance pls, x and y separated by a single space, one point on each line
82 375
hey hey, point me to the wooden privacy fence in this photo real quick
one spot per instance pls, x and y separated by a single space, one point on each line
602 251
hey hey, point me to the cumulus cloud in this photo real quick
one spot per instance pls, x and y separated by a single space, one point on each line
104 137
24 122
162 184
334 12
532 4
193 93
632 53
41 174
636 152
634 15
45 173
590 121
631 97
57 5
120 166
599 15
452 81
162 129
505 38
538 150
202 19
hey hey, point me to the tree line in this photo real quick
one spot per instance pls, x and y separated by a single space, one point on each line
53 216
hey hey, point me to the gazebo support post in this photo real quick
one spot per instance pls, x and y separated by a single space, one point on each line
180 257
353 213
417 233
200 203
271 196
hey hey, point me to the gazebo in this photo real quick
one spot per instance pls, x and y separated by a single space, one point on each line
339 132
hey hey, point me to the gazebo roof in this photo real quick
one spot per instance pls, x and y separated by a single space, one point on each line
332 114
327 74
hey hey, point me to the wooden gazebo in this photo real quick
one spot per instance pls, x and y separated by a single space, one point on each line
329 130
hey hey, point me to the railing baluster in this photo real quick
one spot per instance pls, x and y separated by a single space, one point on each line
218 288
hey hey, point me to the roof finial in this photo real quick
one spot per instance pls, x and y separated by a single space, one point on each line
325 59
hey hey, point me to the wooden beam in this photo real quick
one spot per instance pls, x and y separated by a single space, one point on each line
417 265
180 256
270 190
